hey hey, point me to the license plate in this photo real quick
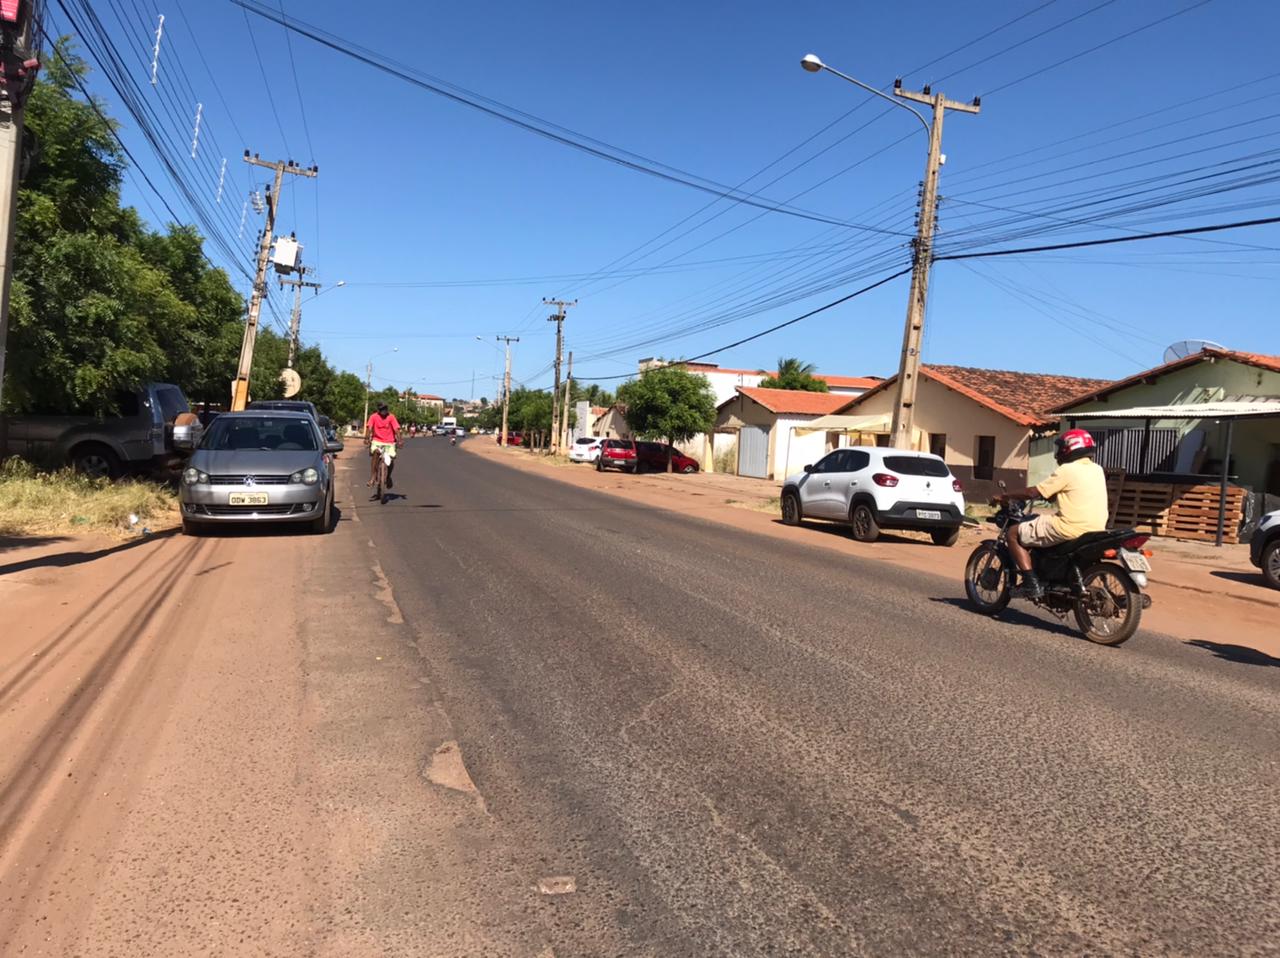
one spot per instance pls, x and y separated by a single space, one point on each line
928 514
247 499
1135 561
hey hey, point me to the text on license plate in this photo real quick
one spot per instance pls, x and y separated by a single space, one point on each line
928 514
247 499
1135 561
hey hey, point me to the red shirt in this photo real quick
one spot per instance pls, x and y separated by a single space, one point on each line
383 428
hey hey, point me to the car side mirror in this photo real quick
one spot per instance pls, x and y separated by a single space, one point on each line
334 447
809 468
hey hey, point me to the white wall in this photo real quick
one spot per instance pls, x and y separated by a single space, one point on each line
792 450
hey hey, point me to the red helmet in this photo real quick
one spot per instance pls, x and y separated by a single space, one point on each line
1074 441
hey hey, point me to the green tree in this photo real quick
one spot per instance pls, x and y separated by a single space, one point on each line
669 403
794 374
344 398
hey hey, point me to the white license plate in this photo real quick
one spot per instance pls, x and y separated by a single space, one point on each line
1135 561
928 514
247 499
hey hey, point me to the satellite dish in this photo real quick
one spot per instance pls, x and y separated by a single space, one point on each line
1189 347
292 382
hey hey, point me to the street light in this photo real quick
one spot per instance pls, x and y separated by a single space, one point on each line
902 432
368 382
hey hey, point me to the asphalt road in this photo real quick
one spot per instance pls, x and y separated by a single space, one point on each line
742 746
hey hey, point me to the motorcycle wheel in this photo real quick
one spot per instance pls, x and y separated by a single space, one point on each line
986 579
1111 608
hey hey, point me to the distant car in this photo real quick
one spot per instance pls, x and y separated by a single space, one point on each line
585 449
617 454
459 431
513 438
653 455
259 466
873 488
1264 548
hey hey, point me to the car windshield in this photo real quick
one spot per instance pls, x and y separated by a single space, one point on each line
916 466
281 433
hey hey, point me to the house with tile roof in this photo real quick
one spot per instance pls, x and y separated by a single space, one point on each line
1189 447
724 381
990 425
756 431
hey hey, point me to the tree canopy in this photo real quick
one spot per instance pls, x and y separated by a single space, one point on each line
669 403
794 374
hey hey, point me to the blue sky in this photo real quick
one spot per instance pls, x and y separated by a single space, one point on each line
414 189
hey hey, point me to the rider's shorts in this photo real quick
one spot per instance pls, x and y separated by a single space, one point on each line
388 448
1040 533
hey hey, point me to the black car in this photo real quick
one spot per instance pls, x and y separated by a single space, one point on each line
1264 548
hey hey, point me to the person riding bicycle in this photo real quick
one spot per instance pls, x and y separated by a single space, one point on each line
1079 489
381 436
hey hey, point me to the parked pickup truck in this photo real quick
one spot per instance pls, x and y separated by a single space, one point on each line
152 428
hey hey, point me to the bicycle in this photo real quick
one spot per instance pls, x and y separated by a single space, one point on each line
381 470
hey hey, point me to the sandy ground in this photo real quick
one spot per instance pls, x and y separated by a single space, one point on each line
1198 592
226 746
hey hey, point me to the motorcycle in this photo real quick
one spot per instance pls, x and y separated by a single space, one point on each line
453 440
1098 577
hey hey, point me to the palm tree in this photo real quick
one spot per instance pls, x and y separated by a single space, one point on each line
794 374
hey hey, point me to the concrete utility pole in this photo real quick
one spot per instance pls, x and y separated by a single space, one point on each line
368 387
558 318
564 406
240 386
19 63
295 321
506 387
902 431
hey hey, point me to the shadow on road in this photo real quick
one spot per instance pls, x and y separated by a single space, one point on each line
266 528
1239 654
1248 578
840 530
59 560
26 542
1012 616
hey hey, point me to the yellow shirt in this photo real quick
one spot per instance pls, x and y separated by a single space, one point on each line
1080 488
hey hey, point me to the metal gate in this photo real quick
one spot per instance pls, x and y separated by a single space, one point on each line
753 452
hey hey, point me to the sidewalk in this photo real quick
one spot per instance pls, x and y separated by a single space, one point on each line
1200 593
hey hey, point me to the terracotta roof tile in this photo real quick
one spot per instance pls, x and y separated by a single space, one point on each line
794 401
850 382
1271 363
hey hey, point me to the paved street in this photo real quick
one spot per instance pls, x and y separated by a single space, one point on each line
741 746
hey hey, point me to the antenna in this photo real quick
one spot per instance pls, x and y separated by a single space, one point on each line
1189 347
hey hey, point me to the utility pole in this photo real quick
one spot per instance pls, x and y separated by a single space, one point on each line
368 386
19 63
240 387
558 318
295 322
506 387
564 406
902 431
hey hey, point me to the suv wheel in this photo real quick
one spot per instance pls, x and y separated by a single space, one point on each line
945 537
862 523
791 514
1271 563
96 461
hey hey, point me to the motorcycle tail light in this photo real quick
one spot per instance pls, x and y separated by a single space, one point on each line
1109 554
957 485
1135 542
884 479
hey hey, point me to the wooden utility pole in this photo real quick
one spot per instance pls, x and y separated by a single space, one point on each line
240 387
506 387
902 431
295 321
564 406
558 318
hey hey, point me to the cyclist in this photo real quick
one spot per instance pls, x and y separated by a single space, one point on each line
381 435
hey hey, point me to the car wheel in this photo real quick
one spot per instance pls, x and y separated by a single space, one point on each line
689 469
791 514
945 537
862 523
599 465
1271 563
321 523
96 461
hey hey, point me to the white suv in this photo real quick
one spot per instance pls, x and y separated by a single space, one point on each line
585 449
873 488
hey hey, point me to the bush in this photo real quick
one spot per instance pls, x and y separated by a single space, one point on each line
32 501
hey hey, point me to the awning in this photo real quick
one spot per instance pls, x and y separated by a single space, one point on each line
835 423
1260 409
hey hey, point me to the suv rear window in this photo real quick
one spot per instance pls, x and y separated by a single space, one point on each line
916 466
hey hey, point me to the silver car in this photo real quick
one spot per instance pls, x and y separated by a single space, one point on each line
259 466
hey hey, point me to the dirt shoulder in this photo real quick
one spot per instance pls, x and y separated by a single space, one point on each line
227 745
1212 598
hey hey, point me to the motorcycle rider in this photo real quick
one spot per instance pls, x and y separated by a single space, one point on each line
1078 487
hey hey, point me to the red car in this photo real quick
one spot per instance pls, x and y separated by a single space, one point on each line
653 455
513 439
617 454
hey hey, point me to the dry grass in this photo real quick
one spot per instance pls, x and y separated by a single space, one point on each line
34 502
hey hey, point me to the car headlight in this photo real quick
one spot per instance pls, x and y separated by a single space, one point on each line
308 476
191 476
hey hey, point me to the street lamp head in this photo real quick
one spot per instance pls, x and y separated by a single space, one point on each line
341 282
811 63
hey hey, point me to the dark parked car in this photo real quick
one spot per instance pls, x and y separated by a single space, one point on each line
1264 548
617 454
653 455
